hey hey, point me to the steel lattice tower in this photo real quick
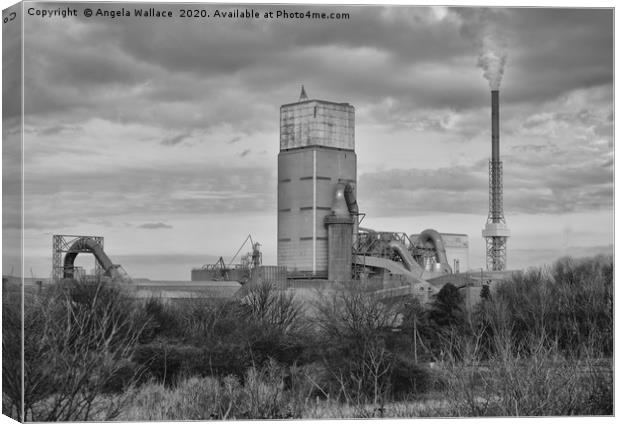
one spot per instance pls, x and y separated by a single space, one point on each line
496 231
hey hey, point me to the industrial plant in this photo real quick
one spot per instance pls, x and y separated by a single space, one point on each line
321 239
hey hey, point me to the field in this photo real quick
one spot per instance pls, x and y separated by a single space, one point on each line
538 345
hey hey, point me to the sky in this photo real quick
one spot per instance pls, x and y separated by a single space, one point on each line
162 135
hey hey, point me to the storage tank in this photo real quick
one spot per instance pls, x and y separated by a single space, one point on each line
317 151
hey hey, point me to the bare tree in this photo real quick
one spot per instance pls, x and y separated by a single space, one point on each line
354 324
11 356
273 307
78 341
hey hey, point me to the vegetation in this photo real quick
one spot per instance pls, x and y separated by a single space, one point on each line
540 344
11 351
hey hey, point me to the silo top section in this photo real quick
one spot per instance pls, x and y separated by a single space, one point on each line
317 123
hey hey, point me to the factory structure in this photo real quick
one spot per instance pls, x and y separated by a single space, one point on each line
321 241
319 233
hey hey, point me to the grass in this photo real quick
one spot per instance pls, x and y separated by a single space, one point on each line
543 386
260 396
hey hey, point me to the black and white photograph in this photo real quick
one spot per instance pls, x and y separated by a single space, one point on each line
306 211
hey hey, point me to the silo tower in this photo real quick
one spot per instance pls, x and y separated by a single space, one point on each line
317 152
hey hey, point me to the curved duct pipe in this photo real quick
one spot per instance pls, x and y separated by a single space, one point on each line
433 237
351 199
408 262
339 203
87 244
344 204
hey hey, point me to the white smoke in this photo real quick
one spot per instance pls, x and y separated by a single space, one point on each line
482 26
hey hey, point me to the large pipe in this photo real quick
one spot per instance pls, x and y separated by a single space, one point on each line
495 126
339 203
350 198
409 263
344 202
433 237
87 244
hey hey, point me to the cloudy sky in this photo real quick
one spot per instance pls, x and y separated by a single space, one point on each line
162 135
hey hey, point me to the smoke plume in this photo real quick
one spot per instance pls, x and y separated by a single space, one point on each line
482 27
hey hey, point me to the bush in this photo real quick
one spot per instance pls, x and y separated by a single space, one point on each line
79 340
162 320
354 338
541 384
218 338
409 378
541 346
569 305
165 363
11 357
260 396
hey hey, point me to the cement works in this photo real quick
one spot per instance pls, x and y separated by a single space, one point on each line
320 240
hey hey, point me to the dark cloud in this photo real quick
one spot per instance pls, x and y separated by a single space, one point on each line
154 226
524 148
245 153
416 56
608 163
57 129
526 258
420 191
556 50
534 183
449 179
79 196
173 141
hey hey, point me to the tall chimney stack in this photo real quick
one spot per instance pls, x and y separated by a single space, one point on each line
495 126
496 231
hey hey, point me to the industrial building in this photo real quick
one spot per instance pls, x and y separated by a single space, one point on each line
319 238
320 243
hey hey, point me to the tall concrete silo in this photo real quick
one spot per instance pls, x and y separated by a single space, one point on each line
317 151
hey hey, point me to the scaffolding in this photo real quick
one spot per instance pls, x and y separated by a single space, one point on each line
61 244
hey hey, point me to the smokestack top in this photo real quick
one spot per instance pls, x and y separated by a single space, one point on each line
495 125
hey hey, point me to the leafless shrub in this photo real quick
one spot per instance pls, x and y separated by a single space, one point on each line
543 382
11 355
74 350
261 396
272 307
354 325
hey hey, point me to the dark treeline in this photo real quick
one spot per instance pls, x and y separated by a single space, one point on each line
540 344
